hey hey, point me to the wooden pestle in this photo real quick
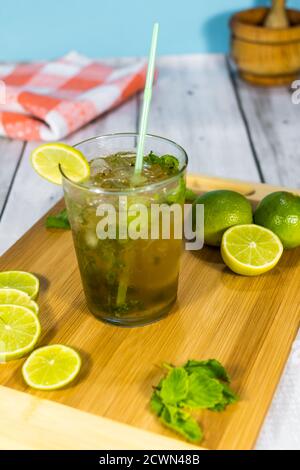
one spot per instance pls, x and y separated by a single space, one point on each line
277 17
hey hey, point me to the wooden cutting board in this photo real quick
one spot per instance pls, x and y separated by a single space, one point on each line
246 323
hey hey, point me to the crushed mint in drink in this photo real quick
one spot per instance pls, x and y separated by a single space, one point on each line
126 278
117 171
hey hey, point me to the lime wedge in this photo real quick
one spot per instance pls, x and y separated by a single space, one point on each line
46 159
51 367
250 249
20 280
17 297
19 331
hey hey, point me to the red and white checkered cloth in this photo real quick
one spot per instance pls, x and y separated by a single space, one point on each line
47 101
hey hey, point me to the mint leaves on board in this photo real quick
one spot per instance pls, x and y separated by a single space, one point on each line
194 386
174 387
59 220
212 367
182 422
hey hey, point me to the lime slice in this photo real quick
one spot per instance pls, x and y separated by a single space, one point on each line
250 249
19 331
17 297
20 280
51 367
46 159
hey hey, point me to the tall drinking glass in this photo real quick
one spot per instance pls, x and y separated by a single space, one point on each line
129 281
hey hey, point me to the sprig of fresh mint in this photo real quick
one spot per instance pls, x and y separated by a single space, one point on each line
194 386
59 220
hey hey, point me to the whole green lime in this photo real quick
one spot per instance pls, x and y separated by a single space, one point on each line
280 212
222 209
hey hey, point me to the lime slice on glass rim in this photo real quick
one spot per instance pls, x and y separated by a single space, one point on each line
250 249
51 367
20 280
19 331
17 297
47 158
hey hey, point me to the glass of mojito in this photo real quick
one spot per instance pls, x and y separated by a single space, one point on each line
128 253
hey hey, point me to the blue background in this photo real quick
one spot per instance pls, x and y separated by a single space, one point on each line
44 29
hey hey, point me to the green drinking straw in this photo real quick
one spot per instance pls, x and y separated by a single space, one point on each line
146 102
123 282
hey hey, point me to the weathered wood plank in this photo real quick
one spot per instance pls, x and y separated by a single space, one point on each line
31 196
10 154
194 103
273 122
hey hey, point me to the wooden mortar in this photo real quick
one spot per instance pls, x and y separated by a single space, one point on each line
265 56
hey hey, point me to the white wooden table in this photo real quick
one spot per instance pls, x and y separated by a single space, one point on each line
228 128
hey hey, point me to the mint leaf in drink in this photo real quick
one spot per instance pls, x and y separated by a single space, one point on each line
152 158
213 368
181 422
190 195
178 194
203 392
125 307
170 163
174 387
59 220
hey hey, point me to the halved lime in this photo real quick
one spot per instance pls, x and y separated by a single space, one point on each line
46 159
20 280
19 331
51 367
250 249
17 297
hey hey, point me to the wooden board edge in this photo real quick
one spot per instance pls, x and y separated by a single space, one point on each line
255 191
32 423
